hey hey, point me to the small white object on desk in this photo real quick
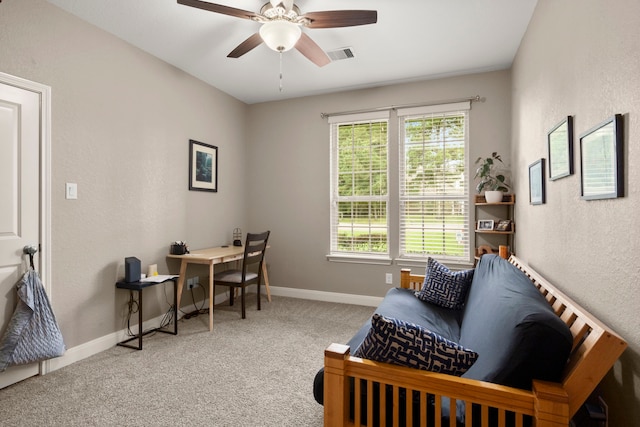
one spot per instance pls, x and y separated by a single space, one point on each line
153 270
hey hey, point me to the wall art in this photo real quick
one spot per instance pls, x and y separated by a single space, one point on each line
203 166
536 183
560 144
601 160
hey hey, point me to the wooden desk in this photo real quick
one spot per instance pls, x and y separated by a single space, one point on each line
211 257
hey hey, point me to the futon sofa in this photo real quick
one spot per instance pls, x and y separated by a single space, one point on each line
490 345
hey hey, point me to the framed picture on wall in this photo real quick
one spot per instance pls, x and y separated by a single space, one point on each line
203 166
560 144
601 160
536 182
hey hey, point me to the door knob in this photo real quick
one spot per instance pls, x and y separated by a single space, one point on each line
30 249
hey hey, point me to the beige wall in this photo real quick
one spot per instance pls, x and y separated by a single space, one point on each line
122 121
288 157
583 60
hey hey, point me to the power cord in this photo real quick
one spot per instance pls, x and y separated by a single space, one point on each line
198 310
168 316
134 307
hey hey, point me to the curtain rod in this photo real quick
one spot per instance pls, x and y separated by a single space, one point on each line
476 98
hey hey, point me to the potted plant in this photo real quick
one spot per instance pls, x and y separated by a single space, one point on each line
492 182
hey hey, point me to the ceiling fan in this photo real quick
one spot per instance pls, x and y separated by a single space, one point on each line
281 26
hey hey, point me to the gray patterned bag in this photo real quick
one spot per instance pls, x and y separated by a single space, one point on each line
33 333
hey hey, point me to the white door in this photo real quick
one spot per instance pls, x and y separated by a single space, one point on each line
20 198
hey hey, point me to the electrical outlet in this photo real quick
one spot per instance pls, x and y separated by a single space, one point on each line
389 278
192 282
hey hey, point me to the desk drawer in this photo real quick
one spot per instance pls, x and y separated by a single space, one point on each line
232 258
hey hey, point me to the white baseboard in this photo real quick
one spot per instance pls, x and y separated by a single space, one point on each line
101 344
326 296
98 345
311 295
84 350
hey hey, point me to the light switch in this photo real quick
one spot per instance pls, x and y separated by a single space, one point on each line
71 191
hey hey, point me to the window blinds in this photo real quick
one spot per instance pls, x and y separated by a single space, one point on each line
359 184
434 198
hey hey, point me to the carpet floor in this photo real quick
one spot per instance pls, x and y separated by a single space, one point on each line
253 372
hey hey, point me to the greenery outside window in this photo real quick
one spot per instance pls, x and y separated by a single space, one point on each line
434 196
359 185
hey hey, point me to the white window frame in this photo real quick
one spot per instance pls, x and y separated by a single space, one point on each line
462 197
351 256
395 118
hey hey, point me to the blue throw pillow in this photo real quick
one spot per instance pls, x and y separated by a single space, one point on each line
401 343
444 287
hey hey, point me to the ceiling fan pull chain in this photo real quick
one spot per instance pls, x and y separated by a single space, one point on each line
280 71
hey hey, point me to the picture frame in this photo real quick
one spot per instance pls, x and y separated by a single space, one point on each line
485 225
560 146
203 166
503 225
601 160
536 183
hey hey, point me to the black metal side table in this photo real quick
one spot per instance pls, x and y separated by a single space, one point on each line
139 286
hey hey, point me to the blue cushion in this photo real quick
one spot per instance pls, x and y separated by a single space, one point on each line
512 327
401 343
444 287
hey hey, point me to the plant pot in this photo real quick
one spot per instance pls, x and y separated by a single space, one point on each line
493 196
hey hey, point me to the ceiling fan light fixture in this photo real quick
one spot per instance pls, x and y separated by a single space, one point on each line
280 35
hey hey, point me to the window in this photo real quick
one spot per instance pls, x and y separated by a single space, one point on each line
359 175
426 210
434 198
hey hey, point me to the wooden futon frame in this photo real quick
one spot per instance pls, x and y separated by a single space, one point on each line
595 350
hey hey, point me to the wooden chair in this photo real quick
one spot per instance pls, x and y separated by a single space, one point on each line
254 250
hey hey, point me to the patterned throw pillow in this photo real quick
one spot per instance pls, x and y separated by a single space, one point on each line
403 343
444 287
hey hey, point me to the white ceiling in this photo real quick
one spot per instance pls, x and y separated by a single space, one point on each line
413 40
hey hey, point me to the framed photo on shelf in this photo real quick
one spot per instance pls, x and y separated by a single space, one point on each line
560 144
601 160
485 225
503 225
203 166
536 183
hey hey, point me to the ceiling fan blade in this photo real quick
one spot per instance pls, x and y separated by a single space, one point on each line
312 51
341 18
246 46
218 8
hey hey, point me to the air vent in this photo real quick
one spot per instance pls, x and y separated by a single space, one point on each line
340 54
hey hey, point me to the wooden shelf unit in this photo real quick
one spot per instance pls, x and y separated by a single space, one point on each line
507 199
496 211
